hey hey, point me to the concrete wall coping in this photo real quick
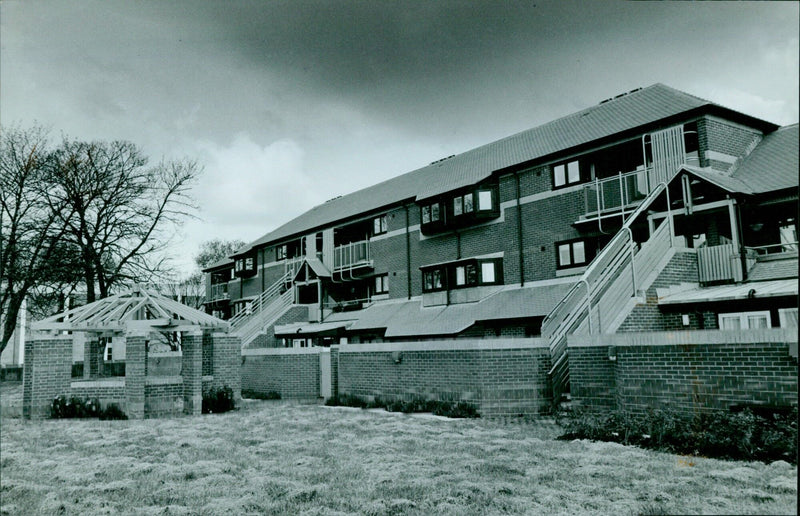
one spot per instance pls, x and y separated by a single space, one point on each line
447 345
164 354
690 337
41 336
94 384
254 352
163 380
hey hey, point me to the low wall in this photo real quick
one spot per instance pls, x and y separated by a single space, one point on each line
107 391
690 370
163 396
293 372
502 377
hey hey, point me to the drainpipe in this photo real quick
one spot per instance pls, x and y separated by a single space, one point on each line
519 232
408 253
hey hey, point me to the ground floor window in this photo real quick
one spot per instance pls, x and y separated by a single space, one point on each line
745 320
382 284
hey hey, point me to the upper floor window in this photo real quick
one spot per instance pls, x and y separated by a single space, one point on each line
464 273
485 202
379 225
245 266
788 317
431 213
280 252
566 174
463 204
382 284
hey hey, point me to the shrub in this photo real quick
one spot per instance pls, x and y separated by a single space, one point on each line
255 395
217 400
74 407
346 400
731 435
112 411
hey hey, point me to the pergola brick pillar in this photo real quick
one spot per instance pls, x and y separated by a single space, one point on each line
135 373
227 363
192 372
92 356
47 373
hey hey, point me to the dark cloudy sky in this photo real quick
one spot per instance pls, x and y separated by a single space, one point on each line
287 104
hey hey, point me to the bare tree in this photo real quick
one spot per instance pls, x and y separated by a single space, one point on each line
120 210
33 254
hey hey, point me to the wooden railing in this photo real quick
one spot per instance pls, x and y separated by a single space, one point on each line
718 263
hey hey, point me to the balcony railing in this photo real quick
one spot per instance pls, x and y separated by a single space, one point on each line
625 190
351 255
219 291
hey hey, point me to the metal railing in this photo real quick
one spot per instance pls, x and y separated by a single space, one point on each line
624 190
261 302
351 255
219 291
576 308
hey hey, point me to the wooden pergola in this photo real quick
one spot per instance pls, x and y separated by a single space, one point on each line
209 355
134 310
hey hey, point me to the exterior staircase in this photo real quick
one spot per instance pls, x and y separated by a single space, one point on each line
606 292
264 310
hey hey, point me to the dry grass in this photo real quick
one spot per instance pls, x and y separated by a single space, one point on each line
282 457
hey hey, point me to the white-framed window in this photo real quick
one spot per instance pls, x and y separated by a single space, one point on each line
566 173
379 225
488 272
382 284
745 320
248 264
571 254
788 317
280 252
485 200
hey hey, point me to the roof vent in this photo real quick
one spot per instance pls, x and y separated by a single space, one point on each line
620 95
443 159
333 199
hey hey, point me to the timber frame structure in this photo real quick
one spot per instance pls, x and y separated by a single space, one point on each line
132 320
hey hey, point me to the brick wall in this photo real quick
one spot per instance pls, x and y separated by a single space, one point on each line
294 373
690 371
135 374
268 339
46 374
167 363
163 396
723 137
226 363
500 376
192 372
647 316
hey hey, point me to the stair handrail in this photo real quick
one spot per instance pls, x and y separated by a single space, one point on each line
572 308
258 304
255 325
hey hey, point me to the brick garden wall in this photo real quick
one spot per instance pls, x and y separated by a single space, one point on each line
47 373
690 370
293 372
500 376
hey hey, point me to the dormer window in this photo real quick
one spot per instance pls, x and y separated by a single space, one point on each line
245 266
431 213
463 204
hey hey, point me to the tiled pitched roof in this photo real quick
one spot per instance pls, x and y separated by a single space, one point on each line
627 112
774 269
773 164
410 318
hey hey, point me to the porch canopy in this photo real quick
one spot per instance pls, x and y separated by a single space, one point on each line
134 310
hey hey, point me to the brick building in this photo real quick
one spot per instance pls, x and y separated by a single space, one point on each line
653 210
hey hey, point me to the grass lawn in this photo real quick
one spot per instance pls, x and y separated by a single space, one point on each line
284 457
